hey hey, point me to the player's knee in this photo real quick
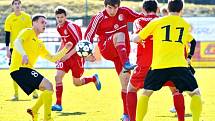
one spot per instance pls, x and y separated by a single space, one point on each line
194 92
147 92
58 78
119 37
77 82
49 86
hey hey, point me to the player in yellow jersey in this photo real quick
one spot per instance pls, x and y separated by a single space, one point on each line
14 23
170 36
27 48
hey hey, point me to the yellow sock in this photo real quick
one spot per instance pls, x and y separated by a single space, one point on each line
38 104
142 106
196 107
47 101
15 86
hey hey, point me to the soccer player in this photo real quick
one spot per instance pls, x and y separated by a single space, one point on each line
70 32
144 59
113 40
14 23
27 48
168 63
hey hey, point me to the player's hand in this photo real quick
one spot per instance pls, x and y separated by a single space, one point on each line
68 45
188 61
90 58
8 53
24 60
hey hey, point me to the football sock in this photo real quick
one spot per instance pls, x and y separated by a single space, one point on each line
47 101
123 95
15 86
196 107
131 105
121 50
178 99
87 80
142 106
59 91
38 104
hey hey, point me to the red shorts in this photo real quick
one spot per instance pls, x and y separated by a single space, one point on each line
109 52
139 75
74 63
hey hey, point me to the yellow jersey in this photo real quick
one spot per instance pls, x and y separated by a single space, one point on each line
14 24
170 37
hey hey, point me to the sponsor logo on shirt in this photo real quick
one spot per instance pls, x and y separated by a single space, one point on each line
65 32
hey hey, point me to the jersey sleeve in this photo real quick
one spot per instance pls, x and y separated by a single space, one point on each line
93 26
23 35
7 24
148 30
130 14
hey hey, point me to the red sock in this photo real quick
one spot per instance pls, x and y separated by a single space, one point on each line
121 49
59 91
131 105
179 105
123 95
87 80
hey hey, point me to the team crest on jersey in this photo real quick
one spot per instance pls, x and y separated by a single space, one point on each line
120 17
116 26
65 32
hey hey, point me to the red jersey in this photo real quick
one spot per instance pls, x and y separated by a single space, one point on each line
105 26
69 32
144 53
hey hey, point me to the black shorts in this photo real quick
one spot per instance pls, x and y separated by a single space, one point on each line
182 78
28 79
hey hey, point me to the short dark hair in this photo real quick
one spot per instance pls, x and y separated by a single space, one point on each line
150 5
112 2
60 10
35 17
175 5
15 1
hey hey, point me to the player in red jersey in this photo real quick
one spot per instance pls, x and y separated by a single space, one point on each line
70 32
113 39
144 60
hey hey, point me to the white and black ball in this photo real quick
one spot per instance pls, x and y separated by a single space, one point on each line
84 48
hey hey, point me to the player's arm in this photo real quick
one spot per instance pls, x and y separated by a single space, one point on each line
18 46
192 48
53 58
144 33
7 29
7 42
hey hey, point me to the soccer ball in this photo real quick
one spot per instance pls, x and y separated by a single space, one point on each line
84 48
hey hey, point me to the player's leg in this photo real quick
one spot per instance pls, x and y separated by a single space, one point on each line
119 43
131 101
47 88
59 90
124 79
142 104
15 97
77 72
195 104
185 81
178 100
136 82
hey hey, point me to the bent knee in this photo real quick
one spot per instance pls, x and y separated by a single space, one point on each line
77 82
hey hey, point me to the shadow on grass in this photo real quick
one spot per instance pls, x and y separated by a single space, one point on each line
18 100
175 116
71 113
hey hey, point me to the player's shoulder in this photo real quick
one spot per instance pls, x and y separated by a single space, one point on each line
99 14
10 16
27 31
25 14
123 8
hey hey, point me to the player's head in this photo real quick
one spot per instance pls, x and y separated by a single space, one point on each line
111 6
150 6
39 22
175 5
16 4
164 11
60 14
